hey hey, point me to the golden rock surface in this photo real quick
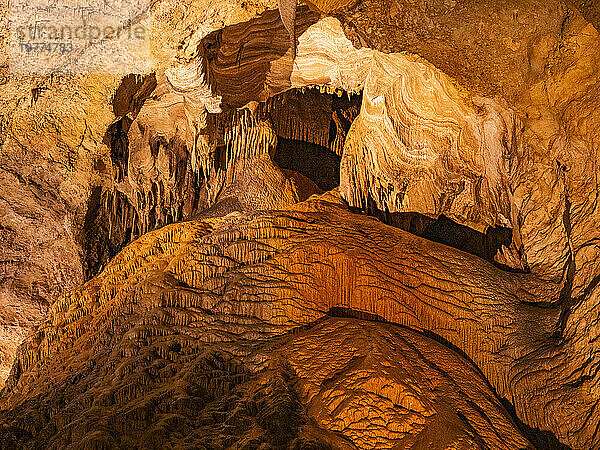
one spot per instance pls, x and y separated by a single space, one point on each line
217 254
228 288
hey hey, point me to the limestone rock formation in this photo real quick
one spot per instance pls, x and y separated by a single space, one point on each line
340 224
188 292
58 169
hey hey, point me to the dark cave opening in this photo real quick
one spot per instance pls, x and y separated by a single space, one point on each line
116 138
98 247
444 230
318 163
311 128
350 313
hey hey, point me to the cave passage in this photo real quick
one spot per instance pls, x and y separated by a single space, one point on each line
297 112
311 128
318 163
448 232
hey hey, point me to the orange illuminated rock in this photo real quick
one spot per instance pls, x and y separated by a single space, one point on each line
238 215
187 317
253 276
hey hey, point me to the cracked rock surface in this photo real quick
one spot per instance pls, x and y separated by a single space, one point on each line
340 224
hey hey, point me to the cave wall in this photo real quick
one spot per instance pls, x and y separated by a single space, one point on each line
487 118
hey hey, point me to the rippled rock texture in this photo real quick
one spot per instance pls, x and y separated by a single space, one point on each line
190 316
348 224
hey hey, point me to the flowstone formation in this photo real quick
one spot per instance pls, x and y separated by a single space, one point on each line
223 289
345 224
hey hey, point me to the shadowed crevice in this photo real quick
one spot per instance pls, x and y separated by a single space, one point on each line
448 232
318 163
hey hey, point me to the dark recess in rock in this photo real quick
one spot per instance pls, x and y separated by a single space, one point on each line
318 163
98 247
448 232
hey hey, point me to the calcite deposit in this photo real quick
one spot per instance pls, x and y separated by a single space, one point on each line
339 224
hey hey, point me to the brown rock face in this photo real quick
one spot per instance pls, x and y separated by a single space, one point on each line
352 224
59 172
189 291
48 168
339 384
249 277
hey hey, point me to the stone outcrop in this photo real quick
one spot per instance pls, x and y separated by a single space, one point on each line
57 171
233 284
259 275
193 197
